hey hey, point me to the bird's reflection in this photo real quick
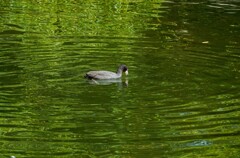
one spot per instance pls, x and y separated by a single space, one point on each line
120 82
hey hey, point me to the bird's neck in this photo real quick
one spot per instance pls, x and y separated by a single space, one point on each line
119 72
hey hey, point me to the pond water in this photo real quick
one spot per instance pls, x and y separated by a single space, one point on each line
180 99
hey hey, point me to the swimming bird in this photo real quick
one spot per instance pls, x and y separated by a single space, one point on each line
102 74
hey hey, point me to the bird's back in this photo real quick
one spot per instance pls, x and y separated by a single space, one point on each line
102 75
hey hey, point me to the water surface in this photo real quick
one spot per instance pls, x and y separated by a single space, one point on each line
181 98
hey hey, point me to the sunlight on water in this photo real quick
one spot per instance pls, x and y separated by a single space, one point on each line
181 98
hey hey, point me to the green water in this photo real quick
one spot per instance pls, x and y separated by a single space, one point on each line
181 98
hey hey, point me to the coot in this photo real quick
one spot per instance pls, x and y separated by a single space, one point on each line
102 74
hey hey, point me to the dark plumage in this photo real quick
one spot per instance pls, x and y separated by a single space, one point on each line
102 74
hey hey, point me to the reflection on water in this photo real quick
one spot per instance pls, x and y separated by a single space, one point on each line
181 98
109 82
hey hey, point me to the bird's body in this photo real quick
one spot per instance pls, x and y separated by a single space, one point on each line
103 75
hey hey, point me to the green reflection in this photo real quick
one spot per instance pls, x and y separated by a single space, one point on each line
183 90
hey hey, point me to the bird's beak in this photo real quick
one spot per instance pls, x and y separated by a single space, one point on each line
126 72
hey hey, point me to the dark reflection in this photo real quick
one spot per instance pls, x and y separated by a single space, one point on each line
119 82
9 32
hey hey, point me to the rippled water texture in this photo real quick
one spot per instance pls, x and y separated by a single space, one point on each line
181 98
